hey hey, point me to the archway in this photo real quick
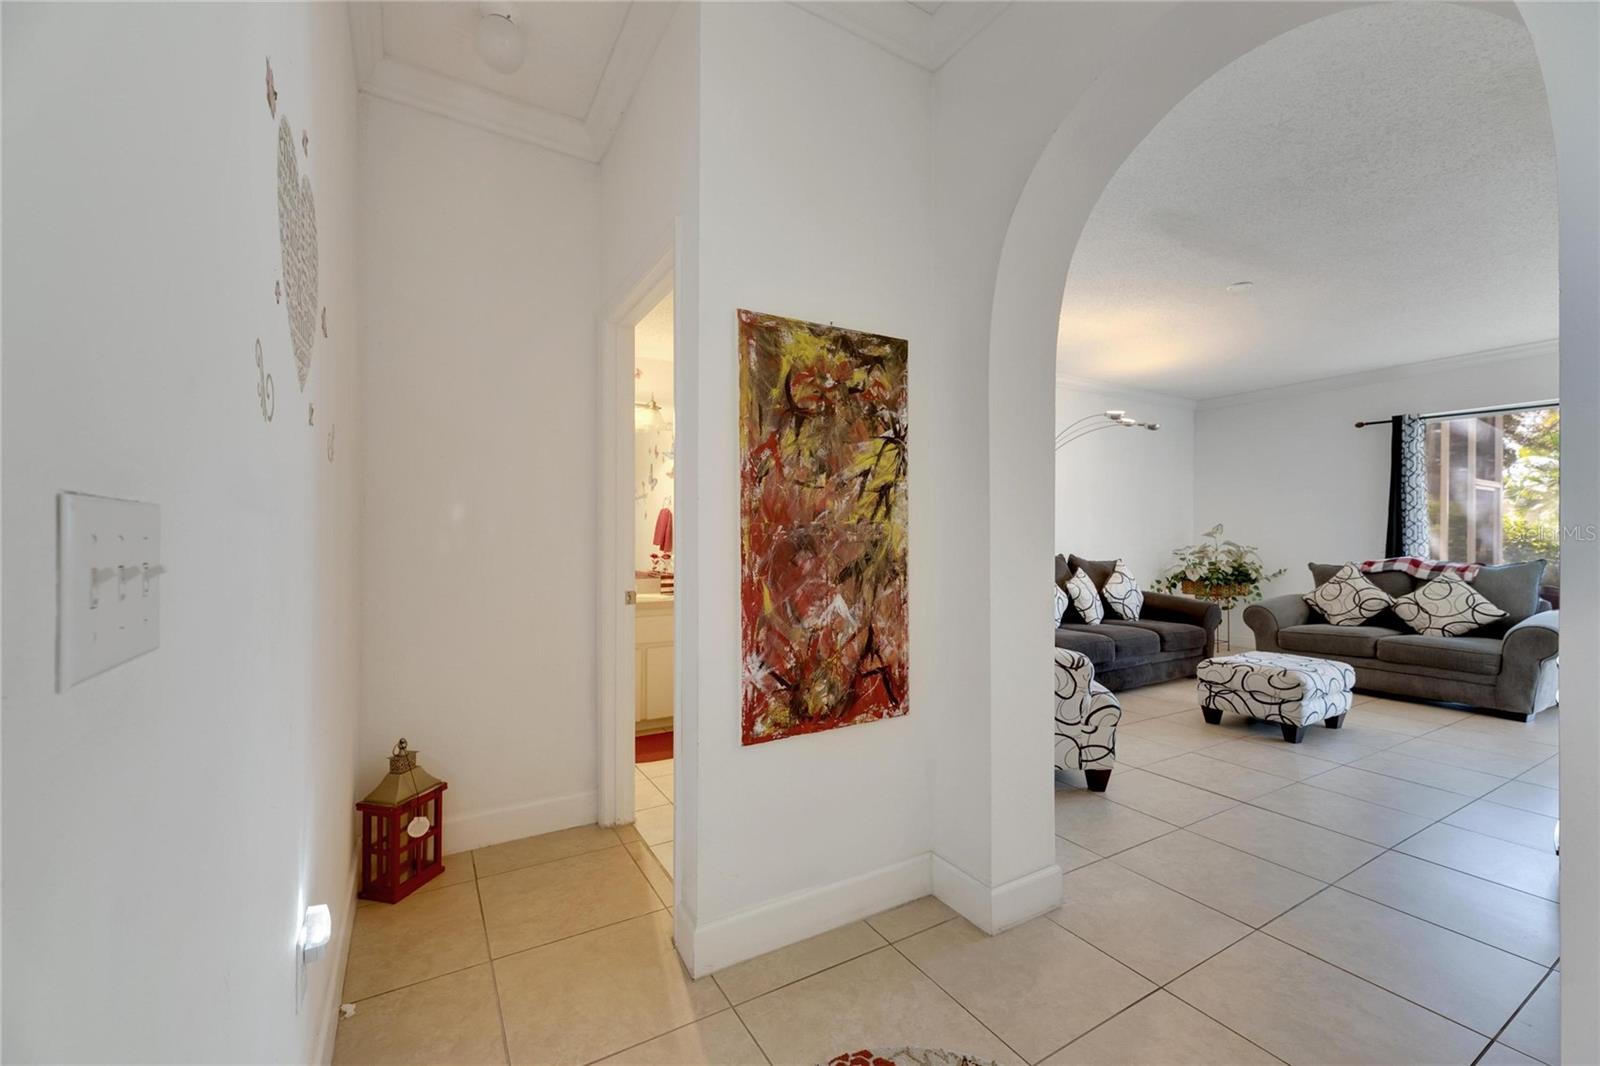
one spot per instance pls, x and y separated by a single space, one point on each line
1178 51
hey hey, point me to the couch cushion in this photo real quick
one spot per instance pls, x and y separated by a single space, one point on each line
1394 582
1175 636
1328 639
1063 570
1512 587
1099 570
1467 655
1132 641
1098 647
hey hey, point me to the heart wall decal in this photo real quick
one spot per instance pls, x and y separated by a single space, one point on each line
297 232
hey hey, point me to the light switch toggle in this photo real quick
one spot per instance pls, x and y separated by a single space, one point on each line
103 543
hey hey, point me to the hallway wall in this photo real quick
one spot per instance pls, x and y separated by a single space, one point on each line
167 822
479 271
813 204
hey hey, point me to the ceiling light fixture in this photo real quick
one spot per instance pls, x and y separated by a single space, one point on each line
499 39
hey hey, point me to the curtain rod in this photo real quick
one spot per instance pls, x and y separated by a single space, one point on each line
1505 410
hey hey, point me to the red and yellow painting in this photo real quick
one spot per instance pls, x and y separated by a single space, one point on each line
822 522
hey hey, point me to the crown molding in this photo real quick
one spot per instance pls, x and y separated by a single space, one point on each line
366 38
642 30
396 80
955 25
927 39
1107 388
1427 367
388 78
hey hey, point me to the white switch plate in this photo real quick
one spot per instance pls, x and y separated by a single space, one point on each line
108 584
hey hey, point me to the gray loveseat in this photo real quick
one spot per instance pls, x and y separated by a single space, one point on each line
1167 641
1510 666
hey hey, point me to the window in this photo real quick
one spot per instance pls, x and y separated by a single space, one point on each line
1494 488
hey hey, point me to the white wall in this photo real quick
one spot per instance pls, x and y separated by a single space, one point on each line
1567 37
166 823
996 105
813 204
479 272
1125 493
1287 471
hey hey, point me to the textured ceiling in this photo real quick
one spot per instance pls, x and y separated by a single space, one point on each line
1386 178
568 46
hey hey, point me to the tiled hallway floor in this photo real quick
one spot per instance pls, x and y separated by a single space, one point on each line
1383 893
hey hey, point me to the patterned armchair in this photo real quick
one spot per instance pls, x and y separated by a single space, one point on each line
1086 720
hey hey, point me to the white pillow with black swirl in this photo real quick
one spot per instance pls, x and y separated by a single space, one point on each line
1123 594
1446 607
1085 598
1348 598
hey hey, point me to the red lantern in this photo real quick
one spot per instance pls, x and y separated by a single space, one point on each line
402 830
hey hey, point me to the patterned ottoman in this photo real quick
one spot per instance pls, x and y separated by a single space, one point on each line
1293 690
1086 720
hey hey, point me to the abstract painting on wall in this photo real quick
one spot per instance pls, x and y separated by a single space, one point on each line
822 522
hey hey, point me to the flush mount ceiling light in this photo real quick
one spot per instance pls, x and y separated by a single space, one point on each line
499 39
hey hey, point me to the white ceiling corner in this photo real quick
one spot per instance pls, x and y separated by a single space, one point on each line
571 104
923 32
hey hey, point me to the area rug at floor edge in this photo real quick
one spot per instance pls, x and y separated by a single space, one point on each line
652 747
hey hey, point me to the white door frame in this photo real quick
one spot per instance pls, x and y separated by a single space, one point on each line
615 684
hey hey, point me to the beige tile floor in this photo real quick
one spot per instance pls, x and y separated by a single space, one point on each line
1383 893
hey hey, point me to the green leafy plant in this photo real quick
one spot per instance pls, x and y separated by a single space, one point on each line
1223 571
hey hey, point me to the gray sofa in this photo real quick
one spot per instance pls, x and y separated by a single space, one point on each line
1510 667
1170 637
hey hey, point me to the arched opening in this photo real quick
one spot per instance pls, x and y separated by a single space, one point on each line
1179 52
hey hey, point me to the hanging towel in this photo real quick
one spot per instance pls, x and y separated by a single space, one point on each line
663 535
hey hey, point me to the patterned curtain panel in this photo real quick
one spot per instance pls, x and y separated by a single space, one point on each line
1408 488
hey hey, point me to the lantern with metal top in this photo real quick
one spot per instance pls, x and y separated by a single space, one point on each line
402 830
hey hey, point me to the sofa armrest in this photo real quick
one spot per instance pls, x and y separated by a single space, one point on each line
1528 680
1270 615
1535 638
1164 607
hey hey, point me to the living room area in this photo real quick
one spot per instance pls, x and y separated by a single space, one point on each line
1308 536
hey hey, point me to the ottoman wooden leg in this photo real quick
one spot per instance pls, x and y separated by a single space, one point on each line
1334 723
1213 714
1294 734
1098 779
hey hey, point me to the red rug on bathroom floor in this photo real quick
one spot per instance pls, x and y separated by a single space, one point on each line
652 747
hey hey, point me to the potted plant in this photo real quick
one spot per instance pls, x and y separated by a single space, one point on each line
1221 571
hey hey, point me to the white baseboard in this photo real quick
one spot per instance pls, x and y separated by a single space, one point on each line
721 943
478 830
998 908
334 996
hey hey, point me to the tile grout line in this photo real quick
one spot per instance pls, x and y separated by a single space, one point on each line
895 946
1367 980
1162 986
1520 1008
494 976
